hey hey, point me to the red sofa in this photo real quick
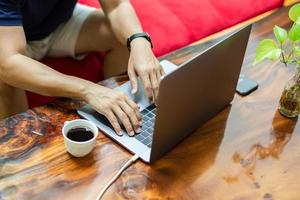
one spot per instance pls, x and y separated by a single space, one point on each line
172 24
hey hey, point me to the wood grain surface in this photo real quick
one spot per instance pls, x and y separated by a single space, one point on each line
248 151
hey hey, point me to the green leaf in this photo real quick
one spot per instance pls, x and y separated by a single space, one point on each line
297 50
294 12
275 54
267 49
294 33
280 34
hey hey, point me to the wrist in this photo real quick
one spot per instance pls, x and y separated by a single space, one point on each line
89 89
84 91
137 38
140 42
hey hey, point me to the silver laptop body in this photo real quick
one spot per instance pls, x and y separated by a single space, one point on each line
189 95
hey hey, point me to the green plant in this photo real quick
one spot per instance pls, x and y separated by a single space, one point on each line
287 46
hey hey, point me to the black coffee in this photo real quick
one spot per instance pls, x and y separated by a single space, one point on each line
80 134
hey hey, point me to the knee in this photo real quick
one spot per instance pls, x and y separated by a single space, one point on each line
10 95
6 90
12 100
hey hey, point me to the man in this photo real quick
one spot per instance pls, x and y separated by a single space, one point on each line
33 29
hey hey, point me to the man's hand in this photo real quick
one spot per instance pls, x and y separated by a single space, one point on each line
143 63
124 22
116 106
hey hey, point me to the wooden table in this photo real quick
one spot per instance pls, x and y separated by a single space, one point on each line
248 151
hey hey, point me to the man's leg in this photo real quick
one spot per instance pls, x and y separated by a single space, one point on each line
96 35
12 100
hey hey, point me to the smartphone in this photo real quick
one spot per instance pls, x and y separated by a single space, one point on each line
245 85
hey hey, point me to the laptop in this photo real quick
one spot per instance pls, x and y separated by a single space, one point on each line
189 95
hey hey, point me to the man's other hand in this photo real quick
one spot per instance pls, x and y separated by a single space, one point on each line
144 64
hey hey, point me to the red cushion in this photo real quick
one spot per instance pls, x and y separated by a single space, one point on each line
174 24
171 24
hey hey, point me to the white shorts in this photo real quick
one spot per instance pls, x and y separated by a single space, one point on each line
61 42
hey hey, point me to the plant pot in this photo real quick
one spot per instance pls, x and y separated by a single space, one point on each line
289 104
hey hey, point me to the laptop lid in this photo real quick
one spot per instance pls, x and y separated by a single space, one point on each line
198 90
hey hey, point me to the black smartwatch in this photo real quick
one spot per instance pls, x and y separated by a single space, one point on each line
138 35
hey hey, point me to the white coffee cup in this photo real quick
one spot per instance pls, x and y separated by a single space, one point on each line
79 149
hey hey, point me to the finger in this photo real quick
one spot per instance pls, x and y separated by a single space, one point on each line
158 76
114 122
135 107
147 85
162 71
133 81
154 84
124 119
131 115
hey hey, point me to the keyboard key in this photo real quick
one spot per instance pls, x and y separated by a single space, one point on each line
150 145
150 115
154 111
144 112
151 107
145 133
145 118
146 141
140 137
149 124
150 130
152 121
144 127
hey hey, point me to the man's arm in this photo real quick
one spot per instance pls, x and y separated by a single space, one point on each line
25 73
142 62
122 18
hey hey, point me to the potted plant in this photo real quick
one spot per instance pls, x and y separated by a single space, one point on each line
287 50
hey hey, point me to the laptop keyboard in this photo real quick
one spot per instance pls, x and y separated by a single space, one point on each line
148 117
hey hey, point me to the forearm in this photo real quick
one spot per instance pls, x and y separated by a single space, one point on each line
122 17
25 73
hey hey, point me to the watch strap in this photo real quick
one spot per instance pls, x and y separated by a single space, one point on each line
138 35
